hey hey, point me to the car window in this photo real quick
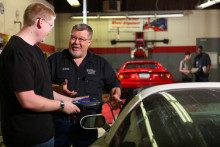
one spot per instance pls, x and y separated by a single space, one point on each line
185 117
132 131
141 65
173 118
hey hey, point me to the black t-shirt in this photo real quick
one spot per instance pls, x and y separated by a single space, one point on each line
23 68
92 76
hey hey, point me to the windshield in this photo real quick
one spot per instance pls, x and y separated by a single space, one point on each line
181 117
141 65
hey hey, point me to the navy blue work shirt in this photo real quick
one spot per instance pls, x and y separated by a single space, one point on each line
202 60
92 76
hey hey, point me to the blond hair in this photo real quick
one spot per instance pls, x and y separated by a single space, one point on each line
35 11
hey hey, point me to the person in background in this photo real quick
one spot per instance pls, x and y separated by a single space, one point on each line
27 97
75 72
185 68
203 63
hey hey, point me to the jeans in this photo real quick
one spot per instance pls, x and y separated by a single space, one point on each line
202 78
49 143
70 133
187 80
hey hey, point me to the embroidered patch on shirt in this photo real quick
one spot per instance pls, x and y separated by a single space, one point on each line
90 71
65 68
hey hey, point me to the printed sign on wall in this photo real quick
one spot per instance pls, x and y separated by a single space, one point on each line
126 24
155 24
138 24
2 10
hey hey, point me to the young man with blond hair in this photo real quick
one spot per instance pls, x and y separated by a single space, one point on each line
27 96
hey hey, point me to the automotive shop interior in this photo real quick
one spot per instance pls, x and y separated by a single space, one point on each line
109 73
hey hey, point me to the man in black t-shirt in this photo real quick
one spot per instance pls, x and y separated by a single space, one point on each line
203 63
27 97
77 72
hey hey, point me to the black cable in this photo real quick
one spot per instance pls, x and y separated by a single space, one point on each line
111 110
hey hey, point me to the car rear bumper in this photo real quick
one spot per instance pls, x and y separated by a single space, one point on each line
141 84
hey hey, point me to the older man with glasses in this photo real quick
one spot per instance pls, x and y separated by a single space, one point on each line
75 72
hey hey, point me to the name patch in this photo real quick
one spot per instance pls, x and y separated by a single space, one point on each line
66 68
91 71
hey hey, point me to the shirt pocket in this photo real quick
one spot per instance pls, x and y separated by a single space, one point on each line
60 77
94 85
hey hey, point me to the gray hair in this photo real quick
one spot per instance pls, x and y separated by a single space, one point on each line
82 27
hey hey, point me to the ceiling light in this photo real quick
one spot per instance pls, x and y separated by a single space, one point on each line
88 17
170 15
156 15
74 3
111 17
98 17
139 14
207 4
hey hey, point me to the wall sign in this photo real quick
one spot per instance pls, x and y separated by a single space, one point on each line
2 8
126 24
138 24
155 24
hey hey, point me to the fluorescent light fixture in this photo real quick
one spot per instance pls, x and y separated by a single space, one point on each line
140 16
170 15
143 14
156 15
88 17
111 17
74 3
98 17
207 4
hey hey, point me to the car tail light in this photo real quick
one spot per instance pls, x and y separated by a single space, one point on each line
168 76
162 76
123 76
165 76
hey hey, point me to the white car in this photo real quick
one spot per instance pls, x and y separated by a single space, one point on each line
181 114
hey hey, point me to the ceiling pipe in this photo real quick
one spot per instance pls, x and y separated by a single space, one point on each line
84 12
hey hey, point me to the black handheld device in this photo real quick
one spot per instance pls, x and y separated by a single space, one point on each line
88 104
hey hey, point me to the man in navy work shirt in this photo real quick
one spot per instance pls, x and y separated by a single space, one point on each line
203 63
78 72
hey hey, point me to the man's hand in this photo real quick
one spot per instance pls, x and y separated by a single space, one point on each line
71 108
62 89
207 70
114 99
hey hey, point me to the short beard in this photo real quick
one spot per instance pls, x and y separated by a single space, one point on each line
75 55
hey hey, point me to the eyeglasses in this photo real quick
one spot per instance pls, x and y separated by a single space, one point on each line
74 38
51 25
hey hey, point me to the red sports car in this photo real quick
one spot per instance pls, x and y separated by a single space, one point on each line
136 74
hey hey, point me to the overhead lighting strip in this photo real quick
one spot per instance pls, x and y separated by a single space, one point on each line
207 4
74 3
100 16
156 15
